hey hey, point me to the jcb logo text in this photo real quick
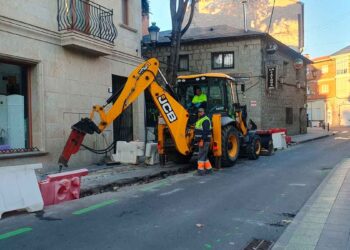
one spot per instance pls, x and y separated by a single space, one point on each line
168 110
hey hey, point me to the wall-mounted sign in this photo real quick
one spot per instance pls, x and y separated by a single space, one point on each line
253 103
271 77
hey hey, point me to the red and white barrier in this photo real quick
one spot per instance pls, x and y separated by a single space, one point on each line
61 187
279 137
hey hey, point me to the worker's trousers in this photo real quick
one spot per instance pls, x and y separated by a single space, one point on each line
203 161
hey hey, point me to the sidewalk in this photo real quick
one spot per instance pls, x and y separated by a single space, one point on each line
324 221
111 177
312 134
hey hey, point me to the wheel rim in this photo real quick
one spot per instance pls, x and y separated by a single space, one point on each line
232 146
257 147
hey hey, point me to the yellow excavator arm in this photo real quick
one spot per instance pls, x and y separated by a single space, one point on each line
140 79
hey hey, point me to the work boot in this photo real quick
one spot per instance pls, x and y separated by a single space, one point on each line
200 173
209 171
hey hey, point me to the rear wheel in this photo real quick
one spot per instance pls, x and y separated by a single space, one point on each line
230 146
254 148
269 150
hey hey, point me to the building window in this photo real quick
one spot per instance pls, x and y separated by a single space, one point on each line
342 66
14 111
324 89
324 69
125 12
183 63
308 91
224 60
289 115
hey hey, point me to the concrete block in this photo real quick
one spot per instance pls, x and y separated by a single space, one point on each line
19 189
129 152
139 147
152 156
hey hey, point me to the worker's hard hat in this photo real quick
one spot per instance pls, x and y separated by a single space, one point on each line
201 110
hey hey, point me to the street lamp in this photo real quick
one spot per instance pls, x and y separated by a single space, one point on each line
154 33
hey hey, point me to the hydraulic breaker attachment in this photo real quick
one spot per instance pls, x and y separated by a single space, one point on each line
86 126
76 137
72 146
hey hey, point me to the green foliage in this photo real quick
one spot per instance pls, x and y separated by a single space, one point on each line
145 7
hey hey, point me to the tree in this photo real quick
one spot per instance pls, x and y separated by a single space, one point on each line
177 11
145 7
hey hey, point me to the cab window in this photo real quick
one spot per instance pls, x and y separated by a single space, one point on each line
186 93
216 100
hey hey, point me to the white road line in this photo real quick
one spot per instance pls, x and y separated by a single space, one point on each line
344 132
341 138
297 184
172 191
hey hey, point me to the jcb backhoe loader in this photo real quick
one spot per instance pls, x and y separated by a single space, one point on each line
175 128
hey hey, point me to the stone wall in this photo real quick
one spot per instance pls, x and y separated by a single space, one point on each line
66 83
290 93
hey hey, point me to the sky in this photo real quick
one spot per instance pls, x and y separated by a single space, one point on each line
327 24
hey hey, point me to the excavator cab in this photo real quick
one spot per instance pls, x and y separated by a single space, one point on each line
221 90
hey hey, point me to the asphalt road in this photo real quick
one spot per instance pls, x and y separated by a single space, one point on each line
252 200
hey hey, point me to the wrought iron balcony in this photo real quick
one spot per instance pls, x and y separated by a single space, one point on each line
86 17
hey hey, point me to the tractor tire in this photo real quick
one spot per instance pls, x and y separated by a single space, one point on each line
180 158
254 148
269 150
230 146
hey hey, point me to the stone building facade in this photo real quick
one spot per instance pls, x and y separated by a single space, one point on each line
57 59
341 107
321 90
282 105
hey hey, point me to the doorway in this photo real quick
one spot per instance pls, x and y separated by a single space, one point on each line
302 120
123 125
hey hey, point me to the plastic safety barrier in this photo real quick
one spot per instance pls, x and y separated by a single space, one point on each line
62 187
19 189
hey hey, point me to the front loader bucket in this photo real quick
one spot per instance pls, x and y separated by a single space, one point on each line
76 137
72 146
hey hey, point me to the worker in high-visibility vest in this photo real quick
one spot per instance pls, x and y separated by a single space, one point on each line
202 136
200 99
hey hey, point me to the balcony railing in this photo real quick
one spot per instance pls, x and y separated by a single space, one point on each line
86 17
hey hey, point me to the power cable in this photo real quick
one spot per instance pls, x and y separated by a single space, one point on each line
273 8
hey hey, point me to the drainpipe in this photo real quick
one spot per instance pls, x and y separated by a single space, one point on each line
244 2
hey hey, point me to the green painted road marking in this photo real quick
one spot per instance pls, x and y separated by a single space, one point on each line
208 246
154 186
15 233
94 207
